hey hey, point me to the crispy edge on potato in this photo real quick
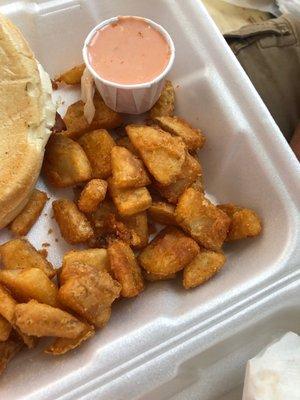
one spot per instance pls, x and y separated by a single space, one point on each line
204 266
244 222
162 212
20 254
206 223
98 145
166 103
191 171
39 320
72 76
128 170
65 162
92 194
125 142
163 154
73 224
169 252
22 224
125 268
129 201
193 138
104 118
63 345
150 277
138 225
5 329
29 283
8 350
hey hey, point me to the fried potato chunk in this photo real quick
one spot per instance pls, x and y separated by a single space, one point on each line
7 305
125 268
244 222
20 254
29 283
22 224
166 103
97 258
92 194
98 146
129 201
198 184
138 225
8 350
191 171
150 277
206 223
125 142
169 252
65 162
193 138
73 224
162 212
104 118
128 171
203 267
39 320
5 329
98 218
72 76
163 154
89 292
63 345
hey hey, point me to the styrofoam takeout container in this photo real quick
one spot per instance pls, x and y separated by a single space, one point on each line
135 98
171 343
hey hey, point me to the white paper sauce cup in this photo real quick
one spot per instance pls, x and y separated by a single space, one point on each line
135 98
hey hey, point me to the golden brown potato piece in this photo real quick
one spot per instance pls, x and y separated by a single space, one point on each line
125 268
104 118
99 217
22 224
193 138
8 350
162 212
166 103
129 201
65 162
20 254
73 224
89 292
72 76
244 222
97 258
206 223
5 329
191 171
198 184
163 154
39 320
63 345
98 146
7 305
29 283
138 225
149 276
92 194
125 142
169 252
203 267
128 171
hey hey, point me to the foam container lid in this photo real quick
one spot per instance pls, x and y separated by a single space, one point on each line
168 342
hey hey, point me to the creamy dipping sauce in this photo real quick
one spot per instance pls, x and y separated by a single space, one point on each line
128 51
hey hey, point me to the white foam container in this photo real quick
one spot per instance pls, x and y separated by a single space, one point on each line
170 343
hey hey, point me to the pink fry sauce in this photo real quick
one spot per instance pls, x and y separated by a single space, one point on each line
128 51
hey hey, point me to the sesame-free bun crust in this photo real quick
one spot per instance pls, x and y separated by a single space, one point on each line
23 132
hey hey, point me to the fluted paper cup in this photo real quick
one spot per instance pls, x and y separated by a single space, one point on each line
135 98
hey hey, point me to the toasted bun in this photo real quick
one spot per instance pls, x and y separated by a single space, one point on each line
26 117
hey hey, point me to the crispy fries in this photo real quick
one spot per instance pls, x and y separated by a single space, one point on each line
203 267
166 102
65 163
98 146
22 224
169 252
73 224
206 223
162 212
72 76
92 194
138 225
163 154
